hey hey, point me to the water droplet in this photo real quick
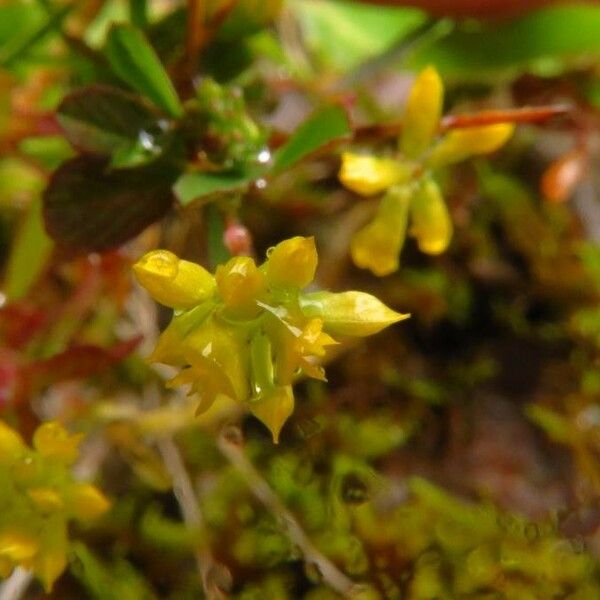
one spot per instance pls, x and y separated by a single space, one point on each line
264 156
261 183
353 489
270 251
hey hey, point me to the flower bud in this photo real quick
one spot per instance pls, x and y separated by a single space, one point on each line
176 283
369 175
52 440
292 263
431 223
422 114
460 144
241 284
350 313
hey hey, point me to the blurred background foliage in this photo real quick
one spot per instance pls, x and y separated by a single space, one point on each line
453 456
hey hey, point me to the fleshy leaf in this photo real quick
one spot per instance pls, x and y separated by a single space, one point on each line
422 114
460 144
350 313
431 224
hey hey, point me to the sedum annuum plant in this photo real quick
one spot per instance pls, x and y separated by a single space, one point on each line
248 331
408 179
38 498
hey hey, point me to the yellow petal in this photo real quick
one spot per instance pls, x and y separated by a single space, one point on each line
350 313
219 356
274 409
369 175
176 283
51 439
241 284
46 499
17 547
169 348
378 245
292 263
431 223
422 114
11 444
87 502
459 144
49 566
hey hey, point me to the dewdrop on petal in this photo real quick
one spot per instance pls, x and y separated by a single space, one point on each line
292 263
176 283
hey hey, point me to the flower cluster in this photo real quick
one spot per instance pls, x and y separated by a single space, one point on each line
38 497
248 331
407 180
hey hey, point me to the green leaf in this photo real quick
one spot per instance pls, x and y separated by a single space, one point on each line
540 40
88 207
19 45
345 34
324 127
197 185
135 62
99 119
29 254
118 580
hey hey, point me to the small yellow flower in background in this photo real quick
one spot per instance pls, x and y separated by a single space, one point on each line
38 498
410 191
256 330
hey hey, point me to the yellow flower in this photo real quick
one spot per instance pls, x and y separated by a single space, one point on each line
408 178
257 331
39 497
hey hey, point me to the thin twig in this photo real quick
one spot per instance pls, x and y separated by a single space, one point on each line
330 574
214 576
16 585
195 33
